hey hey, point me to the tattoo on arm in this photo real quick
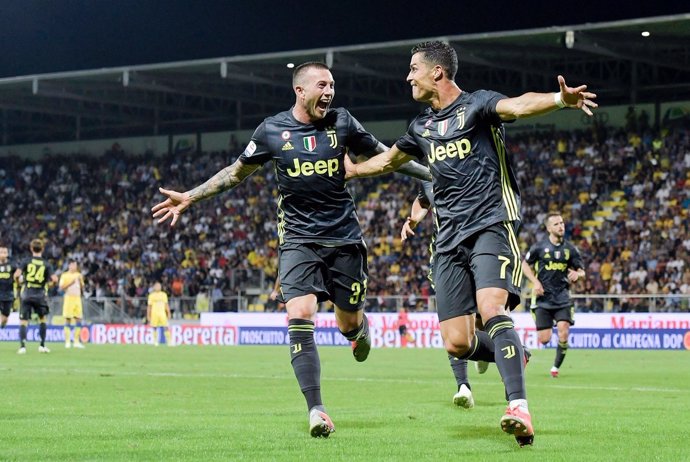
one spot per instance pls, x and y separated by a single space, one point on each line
222 181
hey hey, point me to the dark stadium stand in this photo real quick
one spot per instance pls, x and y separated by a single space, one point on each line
624 195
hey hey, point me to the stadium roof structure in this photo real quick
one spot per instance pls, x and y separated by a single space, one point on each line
236 92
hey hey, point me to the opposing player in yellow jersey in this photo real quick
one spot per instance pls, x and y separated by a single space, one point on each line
158 313
72 282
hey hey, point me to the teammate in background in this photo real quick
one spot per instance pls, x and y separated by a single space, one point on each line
420 208
321 252
405 335
477 263
72 283
158 314
557 264
6 286
38 274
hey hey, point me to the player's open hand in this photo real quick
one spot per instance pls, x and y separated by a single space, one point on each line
407 229
573 275
173 206
577 97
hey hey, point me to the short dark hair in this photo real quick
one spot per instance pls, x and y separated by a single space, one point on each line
550 215
439 53
36 245
304 67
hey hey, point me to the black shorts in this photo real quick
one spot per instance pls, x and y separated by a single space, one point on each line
6 307
338 274
489 258
402 329
38 305
544 318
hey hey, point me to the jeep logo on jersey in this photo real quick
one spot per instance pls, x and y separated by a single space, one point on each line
320 167
554 266
459 148
310 143
442 127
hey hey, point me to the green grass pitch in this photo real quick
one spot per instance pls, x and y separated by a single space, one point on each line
130 403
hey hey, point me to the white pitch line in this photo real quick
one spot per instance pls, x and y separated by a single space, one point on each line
223 375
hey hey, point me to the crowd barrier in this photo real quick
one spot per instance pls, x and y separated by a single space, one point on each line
636 331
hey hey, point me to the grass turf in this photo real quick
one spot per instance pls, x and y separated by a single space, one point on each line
134 402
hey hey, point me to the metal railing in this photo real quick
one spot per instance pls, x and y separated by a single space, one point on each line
133 309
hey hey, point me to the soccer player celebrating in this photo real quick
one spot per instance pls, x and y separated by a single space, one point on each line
6 286
72 282
477 263
38 274
557 264
321 252
158 314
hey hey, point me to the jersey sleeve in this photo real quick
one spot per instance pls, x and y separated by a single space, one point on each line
257 151
408 144
487 100
424 194
359 140
575 259
532 254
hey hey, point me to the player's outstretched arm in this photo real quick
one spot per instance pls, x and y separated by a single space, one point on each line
380 164
534 104
177 202
411 169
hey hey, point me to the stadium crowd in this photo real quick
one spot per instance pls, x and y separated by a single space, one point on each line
97 209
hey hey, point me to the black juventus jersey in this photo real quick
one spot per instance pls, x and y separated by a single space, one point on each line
474 185
7 282
36 272
314 205
551 263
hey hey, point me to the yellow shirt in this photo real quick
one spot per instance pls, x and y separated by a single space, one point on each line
67 279
158 301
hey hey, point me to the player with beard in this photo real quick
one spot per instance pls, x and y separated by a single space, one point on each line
557 264
477 266
322 255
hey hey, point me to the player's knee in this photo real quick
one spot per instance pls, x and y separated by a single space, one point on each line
457 347
544 338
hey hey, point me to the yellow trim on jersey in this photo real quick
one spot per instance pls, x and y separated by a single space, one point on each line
515 247
533 302
281 221
509 196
